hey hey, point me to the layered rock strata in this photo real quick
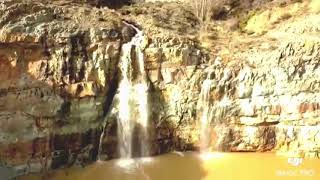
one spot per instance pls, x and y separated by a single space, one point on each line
59 76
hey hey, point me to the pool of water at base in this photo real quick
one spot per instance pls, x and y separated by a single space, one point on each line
194 166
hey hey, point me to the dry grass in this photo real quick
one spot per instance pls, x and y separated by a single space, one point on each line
163 18
263 21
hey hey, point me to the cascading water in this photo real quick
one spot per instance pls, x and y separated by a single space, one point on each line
132 97
141 92
125 125
205 114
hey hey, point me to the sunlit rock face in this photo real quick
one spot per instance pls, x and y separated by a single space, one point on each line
265 102
275 100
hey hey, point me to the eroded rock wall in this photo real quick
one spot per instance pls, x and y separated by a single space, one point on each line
59 76
265 98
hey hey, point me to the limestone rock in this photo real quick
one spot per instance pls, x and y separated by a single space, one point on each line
59 73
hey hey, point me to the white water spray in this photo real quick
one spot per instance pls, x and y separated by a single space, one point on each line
133 97
125 125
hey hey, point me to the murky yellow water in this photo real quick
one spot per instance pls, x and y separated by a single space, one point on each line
192 166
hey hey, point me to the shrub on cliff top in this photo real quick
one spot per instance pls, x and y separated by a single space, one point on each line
205 9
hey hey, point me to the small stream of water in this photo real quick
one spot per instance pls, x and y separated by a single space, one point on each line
205 114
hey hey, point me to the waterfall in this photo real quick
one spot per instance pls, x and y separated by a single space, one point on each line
141 92
132 98
205 114
125 125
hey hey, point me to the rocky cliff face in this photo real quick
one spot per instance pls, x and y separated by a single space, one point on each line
59 75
